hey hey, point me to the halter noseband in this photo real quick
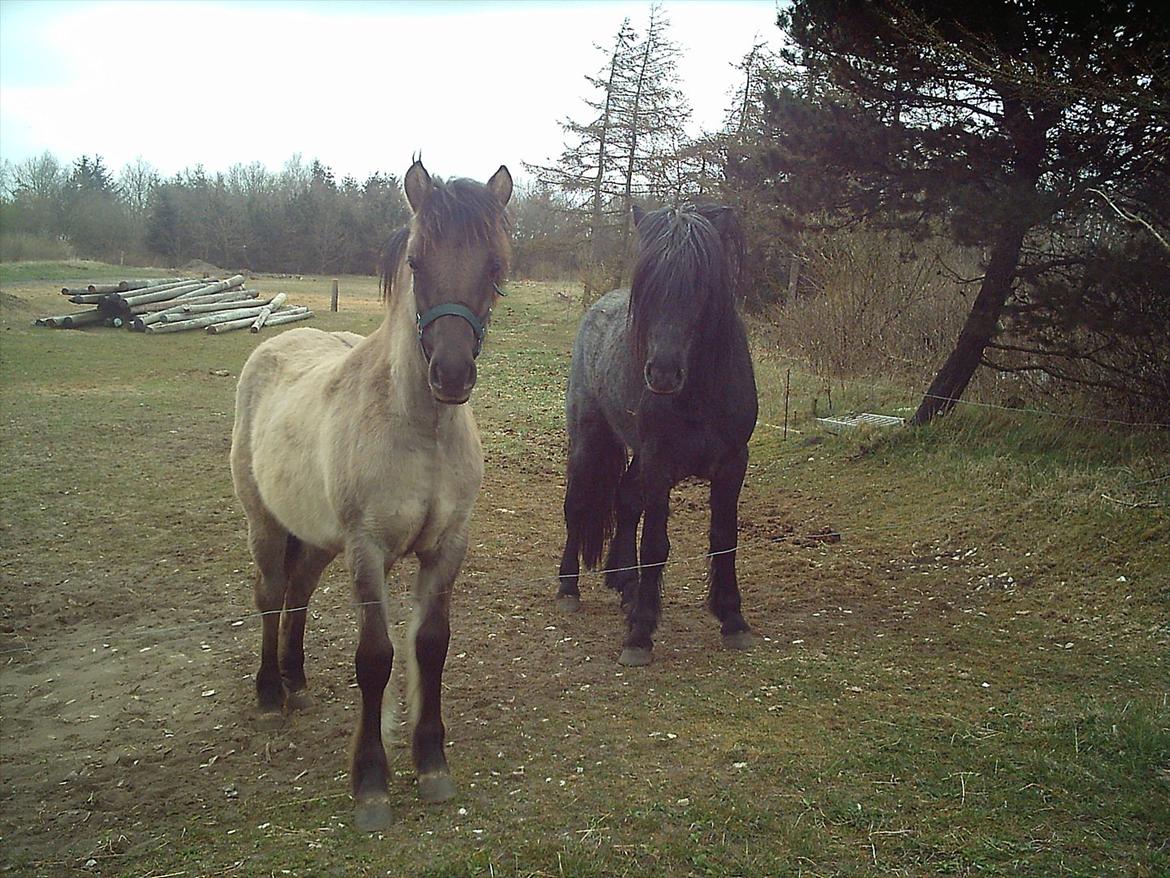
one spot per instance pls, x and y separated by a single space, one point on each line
452 309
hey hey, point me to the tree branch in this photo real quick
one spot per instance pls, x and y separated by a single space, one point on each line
1132 218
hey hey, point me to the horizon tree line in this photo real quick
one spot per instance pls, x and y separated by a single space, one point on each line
1025 145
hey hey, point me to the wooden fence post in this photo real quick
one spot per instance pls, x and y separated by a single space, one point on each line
333 301
787 382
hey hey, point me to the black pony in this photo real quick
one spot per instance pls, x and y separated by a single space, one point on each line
661 369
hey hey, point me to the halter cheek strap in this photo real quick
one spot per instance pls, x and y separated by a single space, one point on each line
452 309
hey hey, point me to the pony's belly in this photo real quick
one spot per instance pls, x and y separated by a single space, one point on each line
397 524
302 508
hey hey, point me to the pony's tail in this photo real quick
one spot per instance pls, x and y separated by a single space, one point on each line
596 465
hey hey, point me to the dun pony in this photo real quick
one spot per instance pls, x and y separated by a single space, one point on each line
362 447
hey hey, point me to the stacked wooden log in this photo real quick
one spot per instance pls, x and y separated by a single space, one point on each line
177 304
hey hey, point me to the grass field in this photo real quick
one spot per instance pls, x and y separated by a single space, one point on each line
973 681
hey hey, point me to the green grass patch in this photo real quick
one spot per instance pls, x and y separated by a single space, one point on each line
75 272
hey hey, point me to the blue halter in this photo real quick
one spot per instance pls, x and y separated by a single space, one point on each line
454 309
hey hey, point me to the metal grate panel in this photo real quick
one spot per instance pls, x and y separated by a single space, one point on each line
857 420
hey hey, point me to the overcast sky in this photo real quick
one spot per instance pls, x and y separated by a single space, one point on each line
361 86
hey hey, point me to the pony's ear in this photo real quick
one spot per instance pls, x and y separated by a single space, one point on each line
418 186
500 185
639 214
726 223
724 219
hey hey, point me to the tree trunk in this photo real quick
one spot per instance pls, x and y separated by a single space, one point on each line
184 311
1029 137
952 379
603 136
793 278
635 129
205 320
276 302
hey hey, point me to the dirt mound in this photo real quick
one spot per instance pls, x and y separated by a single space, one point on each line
9 302
199 267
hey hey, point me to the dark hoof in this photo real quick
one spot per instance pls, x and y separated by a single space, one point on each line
739 640
568 603
634 657
435 787
271 712
373 815
270 699
299 700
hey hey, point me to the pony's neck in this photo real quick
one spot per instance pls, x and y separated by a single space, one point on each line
408 366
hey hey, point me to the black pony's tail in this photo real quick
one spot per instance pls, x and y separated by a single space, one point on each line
596 465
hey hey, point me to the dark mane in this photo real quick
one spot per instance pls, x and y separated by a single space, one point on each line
692 251
463 211
392 255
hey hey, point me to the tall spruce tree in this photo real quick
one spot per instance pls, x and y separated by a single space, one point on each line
623 153
587 171
650 122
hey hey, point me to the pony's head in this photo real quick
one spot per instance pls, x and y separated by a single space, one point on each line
682 289
456 248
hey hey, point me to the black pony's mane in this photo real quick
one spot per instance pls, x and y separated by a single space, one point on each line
461 210
691 251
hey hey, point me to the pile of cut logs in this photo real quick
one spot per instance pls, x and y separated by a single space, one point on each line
176 305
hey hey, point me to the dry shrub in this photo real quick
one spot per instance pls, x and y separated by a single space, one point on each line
874 304
597 279
25 247
546 270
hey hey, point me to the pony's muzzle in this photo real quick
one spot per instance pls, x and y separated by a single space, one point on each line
451 379
664 378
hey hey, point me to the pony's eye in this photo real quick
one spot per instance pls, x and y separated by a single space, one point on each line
412 262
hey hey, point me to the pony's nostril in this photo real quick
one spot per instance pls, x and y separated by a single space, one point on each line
664 379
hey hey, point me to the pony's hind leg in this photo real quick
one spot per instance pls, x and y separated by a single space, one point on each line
430 635
268 542
723 590
369 772
621 563
597 460
304 565
569 592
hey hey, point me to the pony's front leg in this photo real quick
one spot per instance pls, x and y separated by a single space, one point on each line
722 588
646 602
430 635
375 656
